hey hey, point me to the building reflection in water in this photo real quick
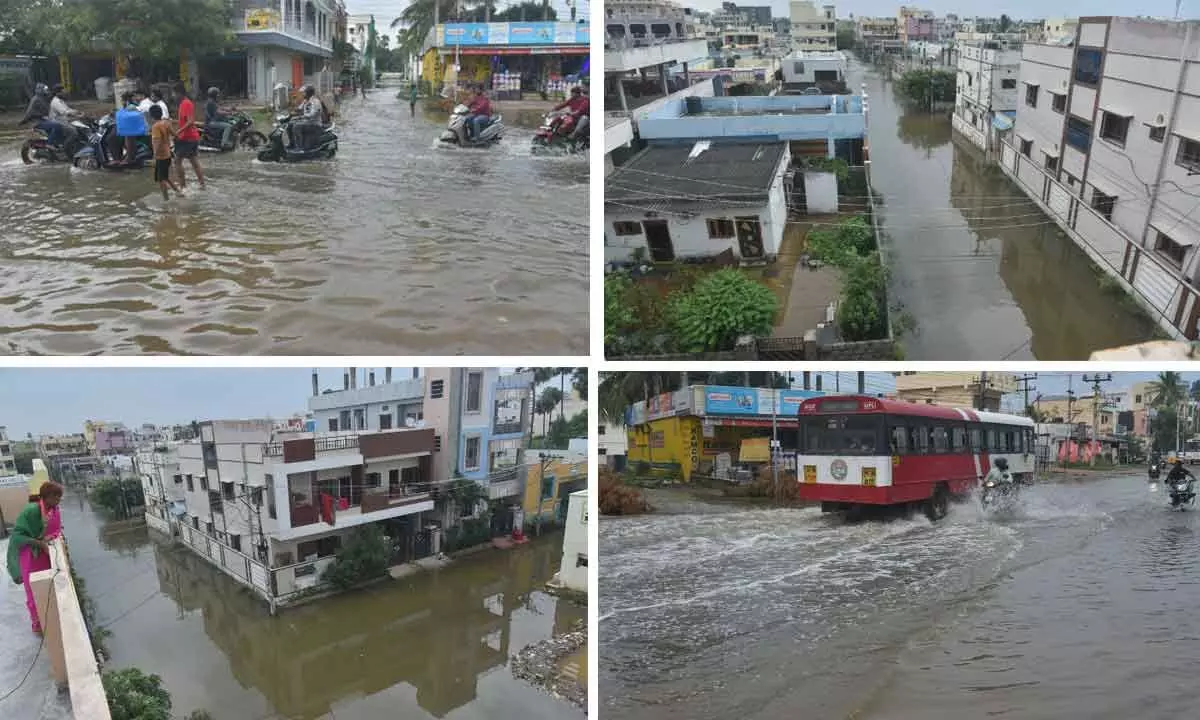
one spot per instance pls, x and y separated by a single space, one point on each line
437 631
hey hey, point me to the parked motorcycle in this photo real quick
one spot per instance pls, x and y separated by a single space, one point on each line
279 150
244 135
456 130
1181 493
40 149
98 154
554 135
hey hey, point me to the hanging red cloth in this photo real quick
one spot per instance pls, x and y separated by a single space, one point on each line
327 508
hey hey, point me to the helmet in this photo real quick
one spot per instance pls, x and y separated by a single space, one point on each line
1002 463
59 88
213 92
576 90
309 91
41 89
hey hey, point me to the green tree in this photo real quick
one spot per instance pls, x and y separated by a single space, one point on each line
134 695
722 307
925 86
118 496
467 494
1167 390
549 399
1005 23
156 29
846 39
364 556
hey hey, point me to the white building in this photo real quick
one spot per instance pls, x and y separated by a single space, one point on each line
288 42
806 69
8 465
663 204
988 70
358 34
614 445
573 570
1107 141
813 27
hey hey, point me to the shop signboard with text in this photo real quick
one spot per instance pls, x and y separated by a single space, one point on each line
730 401
518 33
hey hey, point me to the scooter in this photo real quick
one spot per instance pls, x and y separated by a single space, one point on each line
98 152
277 150
244 135
999 496
456 130
1181 493
554 135
40 149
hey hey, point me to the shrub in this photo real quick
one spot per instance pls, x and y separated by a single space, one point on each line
471 532
842 244
118 496
860 314
720 308
617 498
133 695
365 556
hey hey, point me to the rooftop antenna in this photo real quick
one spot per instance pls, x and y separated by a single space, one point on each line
1178 3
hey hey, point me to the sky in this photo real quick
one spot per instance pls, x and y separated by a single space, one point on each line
1021 9
59 400
387 10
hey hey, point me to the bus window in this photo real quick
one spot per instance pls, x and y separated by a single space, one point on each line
918 439
843 435
992 445
941 441
958 436
976 439
899 440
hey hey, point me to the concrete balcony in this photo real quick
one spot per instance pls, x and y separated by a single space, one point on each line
373 507
66 657
310 30
634 54
343 450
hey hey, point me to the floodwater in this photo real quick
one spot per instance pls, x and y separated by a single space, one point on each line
979 270
433 645
1080 605
396 247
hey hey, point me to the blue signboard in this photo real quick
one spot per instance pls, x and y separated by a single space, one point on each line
519 33
789 400
730 401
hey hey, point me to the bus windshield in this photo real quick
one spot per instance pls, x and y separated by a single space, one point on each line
842 435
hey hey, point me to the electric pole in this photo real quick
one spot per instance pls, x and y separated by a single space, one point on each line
1024 380
1095 380
981 400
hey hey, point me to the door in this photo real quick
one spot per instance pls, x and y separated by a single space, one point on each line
658 239
297 71
749 235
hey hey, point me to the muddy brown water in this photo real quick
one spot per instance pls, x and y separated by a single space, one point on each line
1081 604
979 270
433 645
396 247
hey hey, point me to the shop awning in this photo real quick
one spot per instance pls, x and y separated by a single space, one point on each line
1002 122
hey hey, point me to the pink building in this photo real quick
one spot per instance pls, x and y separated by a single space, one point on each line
1141 422
109 442
920 28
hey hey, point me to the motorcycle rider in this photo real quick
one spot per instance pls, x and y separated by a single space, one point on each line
1179 472
579 106
62 114
1000 475
307 129
479 113
215 121
39 112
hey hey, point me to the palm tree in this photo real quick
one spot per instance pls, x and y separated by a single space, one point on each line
549 400
1168 390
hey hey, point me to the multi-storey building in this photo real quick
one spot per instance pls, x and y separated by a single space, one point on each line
916 25
988 68
1107 141
288 41
955 389
8 464
813 27
270 504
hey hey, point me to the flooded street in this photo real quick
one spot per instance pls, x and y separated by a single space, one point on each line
964 237
395 247
1079 606
436 644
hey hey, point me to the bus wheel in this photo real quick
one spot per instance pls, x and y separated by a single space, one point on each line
938 506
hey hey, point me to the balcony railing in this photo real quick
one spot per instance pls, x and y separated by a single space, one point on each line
331 443
508 428
309 513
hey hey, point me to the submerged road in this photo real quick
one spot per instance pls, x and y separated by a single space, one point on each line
395 247
1082 605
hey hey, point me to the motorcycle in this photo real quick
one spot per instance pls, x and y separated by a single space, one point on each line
555 135
244 135
998 496
277 150
40 149
98 151
456 130
1155 471
1181 492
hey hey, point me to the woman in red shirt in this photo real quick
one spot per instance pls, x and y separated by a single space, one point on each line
187 138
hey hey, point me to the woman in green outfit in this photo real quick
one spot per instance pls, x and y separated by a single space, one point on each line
29 544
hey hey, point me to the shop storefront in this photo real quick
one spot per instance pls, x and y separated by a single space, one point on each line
509 59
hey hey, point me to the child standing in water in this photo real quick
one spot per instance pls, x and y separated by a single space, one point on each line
160 136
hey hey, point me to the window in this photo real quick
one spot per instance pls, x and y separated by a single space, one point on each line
1079 134
941 439
471 454
1008 83
385 421
256 495
992 445
1103 203
360 419
1031 93
798 67
976 437
625 228
918 439
196 522
437 443
1058 102
1051 163
190 486
1087 66
436 388
344 421
899 440
720 228
843 434
1158 133
204 482
958 438
208 528
235 541
547 486
324 547
178 479
374 480
1114 127
1170 249
600 430
1188 155
227 490
1026 147
333 425
474 391
1071 181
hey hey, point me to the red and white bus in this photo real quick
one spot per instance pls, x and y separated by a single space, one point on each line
855 452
